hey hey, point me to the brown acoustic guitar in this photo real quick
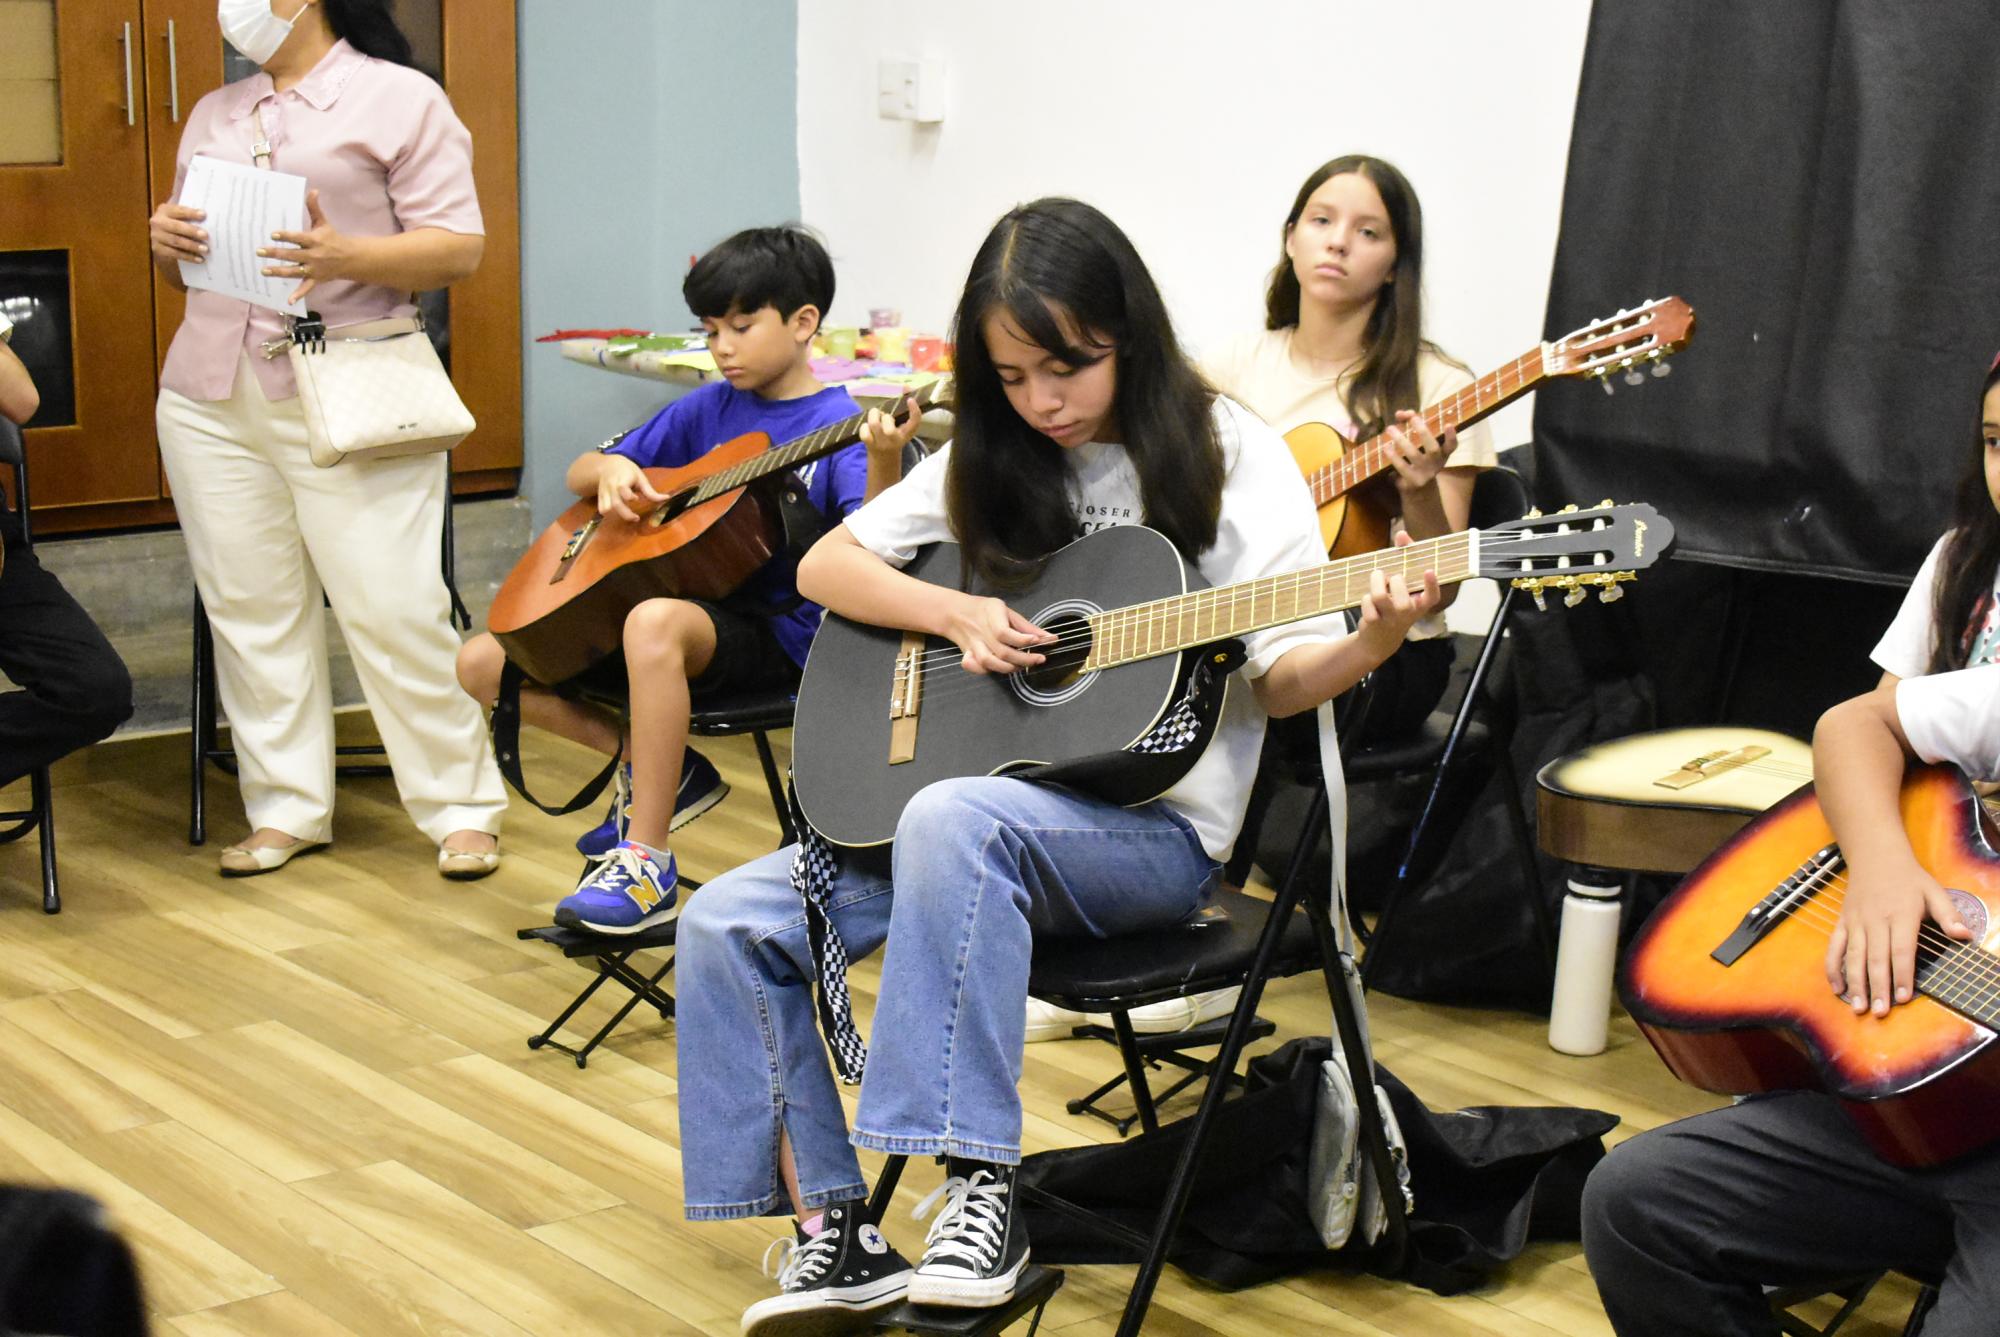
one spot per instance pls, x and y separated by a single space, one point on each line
1356 503
1727 979
563 606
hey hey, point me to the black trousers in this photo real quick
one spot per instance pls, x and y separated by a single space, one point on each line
74 689
1684 1225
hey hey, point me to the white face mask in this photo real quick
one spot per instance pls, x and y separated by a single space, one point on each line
252 28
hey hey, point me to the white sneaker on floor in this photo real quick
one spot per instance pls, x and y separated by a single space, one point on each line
1046 1021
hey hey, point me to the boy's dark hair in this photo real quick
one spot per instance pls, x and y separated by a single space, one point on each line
1006 488
783 267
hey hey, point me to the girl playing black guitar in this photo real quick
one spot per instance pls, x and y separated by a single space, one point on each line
1076 409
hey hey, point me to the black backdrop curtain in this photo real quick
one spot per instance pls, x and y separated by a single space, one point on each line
1820 179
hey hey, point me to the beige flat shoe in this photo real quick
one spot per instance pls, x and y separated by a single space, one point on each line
250 860
467 865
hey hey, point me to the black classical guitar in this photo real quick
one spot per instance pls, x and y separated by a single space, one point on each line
883 713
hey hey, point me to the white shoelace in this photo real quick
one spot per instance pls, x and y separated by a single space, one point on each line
969 1229
800 1265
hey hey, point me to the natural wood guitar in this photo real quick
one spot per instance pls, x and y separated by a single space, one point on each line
1356 502
883 713
1727 979
563 606
1662 801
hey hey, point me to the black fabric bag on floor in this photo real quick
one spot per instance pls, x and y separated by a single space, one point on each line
1486 1180
63 1271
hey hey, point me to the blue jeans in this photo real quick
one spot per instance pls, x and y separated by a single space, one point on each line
980 868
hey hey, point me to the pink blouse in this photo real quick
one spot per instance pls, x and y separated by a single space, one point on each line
380 143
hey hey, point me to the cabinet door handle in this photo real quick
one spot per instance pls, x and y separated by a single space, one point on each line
125 41
173 76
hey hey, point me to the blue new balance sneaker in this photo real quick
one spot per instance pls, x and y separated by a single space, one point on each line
598 841
702 787
627 892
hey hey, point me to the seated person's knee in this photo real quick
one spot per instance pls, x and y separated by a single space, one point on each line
479 663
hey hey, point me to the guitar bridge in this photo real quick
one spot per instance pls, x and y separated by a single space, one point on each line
906 698
1709 764
576 544
1776 907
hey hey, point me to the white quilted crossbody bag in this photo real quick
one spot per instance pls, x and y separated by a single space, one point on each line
372 388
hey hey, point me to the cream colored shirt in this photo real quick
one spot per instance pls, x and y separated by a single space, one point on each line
1257 370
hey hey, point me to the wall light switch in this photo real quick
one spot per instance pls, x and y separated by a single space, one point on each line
910 90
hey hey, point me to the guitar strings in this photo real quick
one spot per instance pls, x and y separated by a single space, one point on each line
1287 583
1958 962
960 682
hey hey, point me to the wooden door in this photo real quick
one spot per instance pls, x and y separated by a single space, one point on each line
74 272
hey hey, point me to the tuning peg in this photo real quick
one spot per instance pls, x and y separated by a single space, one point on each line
1635 377
1533 585
1567 510
1610 594
1662 368
1607 503
1605 381
1534 513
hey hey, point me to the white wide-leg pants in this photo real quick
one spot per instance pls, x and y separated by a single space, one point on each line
267 531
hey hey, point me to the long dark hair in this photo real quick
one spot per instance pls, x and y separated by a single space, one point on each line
1006 488
1966 566
1385 379
369 28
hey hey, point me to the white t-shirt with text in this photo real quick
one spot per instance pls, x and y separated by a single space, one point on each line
1268 526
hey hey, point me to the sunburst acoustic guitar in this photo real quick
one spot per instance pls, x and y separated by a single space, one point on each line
1356 502
1660 802
1727 981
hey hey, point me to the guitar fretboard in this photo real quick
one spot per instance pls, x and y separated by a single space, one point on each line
1483 397
1183 621
823 441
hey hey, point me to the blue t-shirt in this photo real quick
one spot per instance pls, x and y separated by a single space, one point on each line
698 422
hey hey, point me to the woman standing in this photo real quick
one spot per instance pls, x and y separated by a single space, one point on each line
391 211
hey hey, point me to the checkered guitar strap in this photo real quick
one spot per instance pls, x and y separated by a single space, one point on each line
813 868
1149 768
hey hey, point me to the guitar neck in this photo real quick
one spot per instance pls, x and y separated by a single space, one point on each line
1184 621
826 440
1481 399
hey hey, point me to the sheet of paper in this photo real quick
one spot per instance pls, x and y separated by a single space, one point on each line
245 205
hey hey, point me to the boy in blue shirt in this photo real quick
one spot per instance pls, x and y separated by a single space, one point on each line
760 296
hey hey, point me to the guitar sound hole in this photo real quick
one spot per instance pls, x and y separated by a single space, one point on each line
1062 661
671 508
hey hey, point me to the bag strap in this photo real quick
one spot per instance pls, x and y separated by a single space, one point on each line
261 149
506 728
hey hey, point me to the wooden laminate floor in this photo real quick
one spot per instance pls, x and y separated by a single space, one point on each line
307 1097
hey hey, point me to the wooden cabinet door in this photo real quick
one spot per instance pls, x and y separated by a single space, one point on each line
74 272
183 63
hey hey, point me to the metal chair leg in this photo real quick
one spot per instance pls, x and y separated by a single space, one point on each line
44 801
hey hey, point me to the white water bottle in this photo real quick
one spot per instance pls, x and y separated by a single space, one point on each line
1586 960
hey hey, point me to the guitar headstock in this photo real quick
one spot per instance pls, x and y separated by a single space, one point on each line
1624 342
1574 550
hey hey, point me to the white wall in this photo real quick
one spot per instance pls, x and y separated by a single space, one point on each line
1192 123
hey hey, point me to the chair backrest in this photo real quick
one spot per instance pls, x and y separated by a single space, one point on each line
14 455
1498 495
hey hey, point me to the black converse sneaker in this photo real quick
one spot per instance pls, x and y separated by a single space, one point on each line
976 1248
831 1282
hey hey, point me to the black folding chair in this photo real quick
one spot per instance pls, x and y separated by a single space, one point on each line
40 814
